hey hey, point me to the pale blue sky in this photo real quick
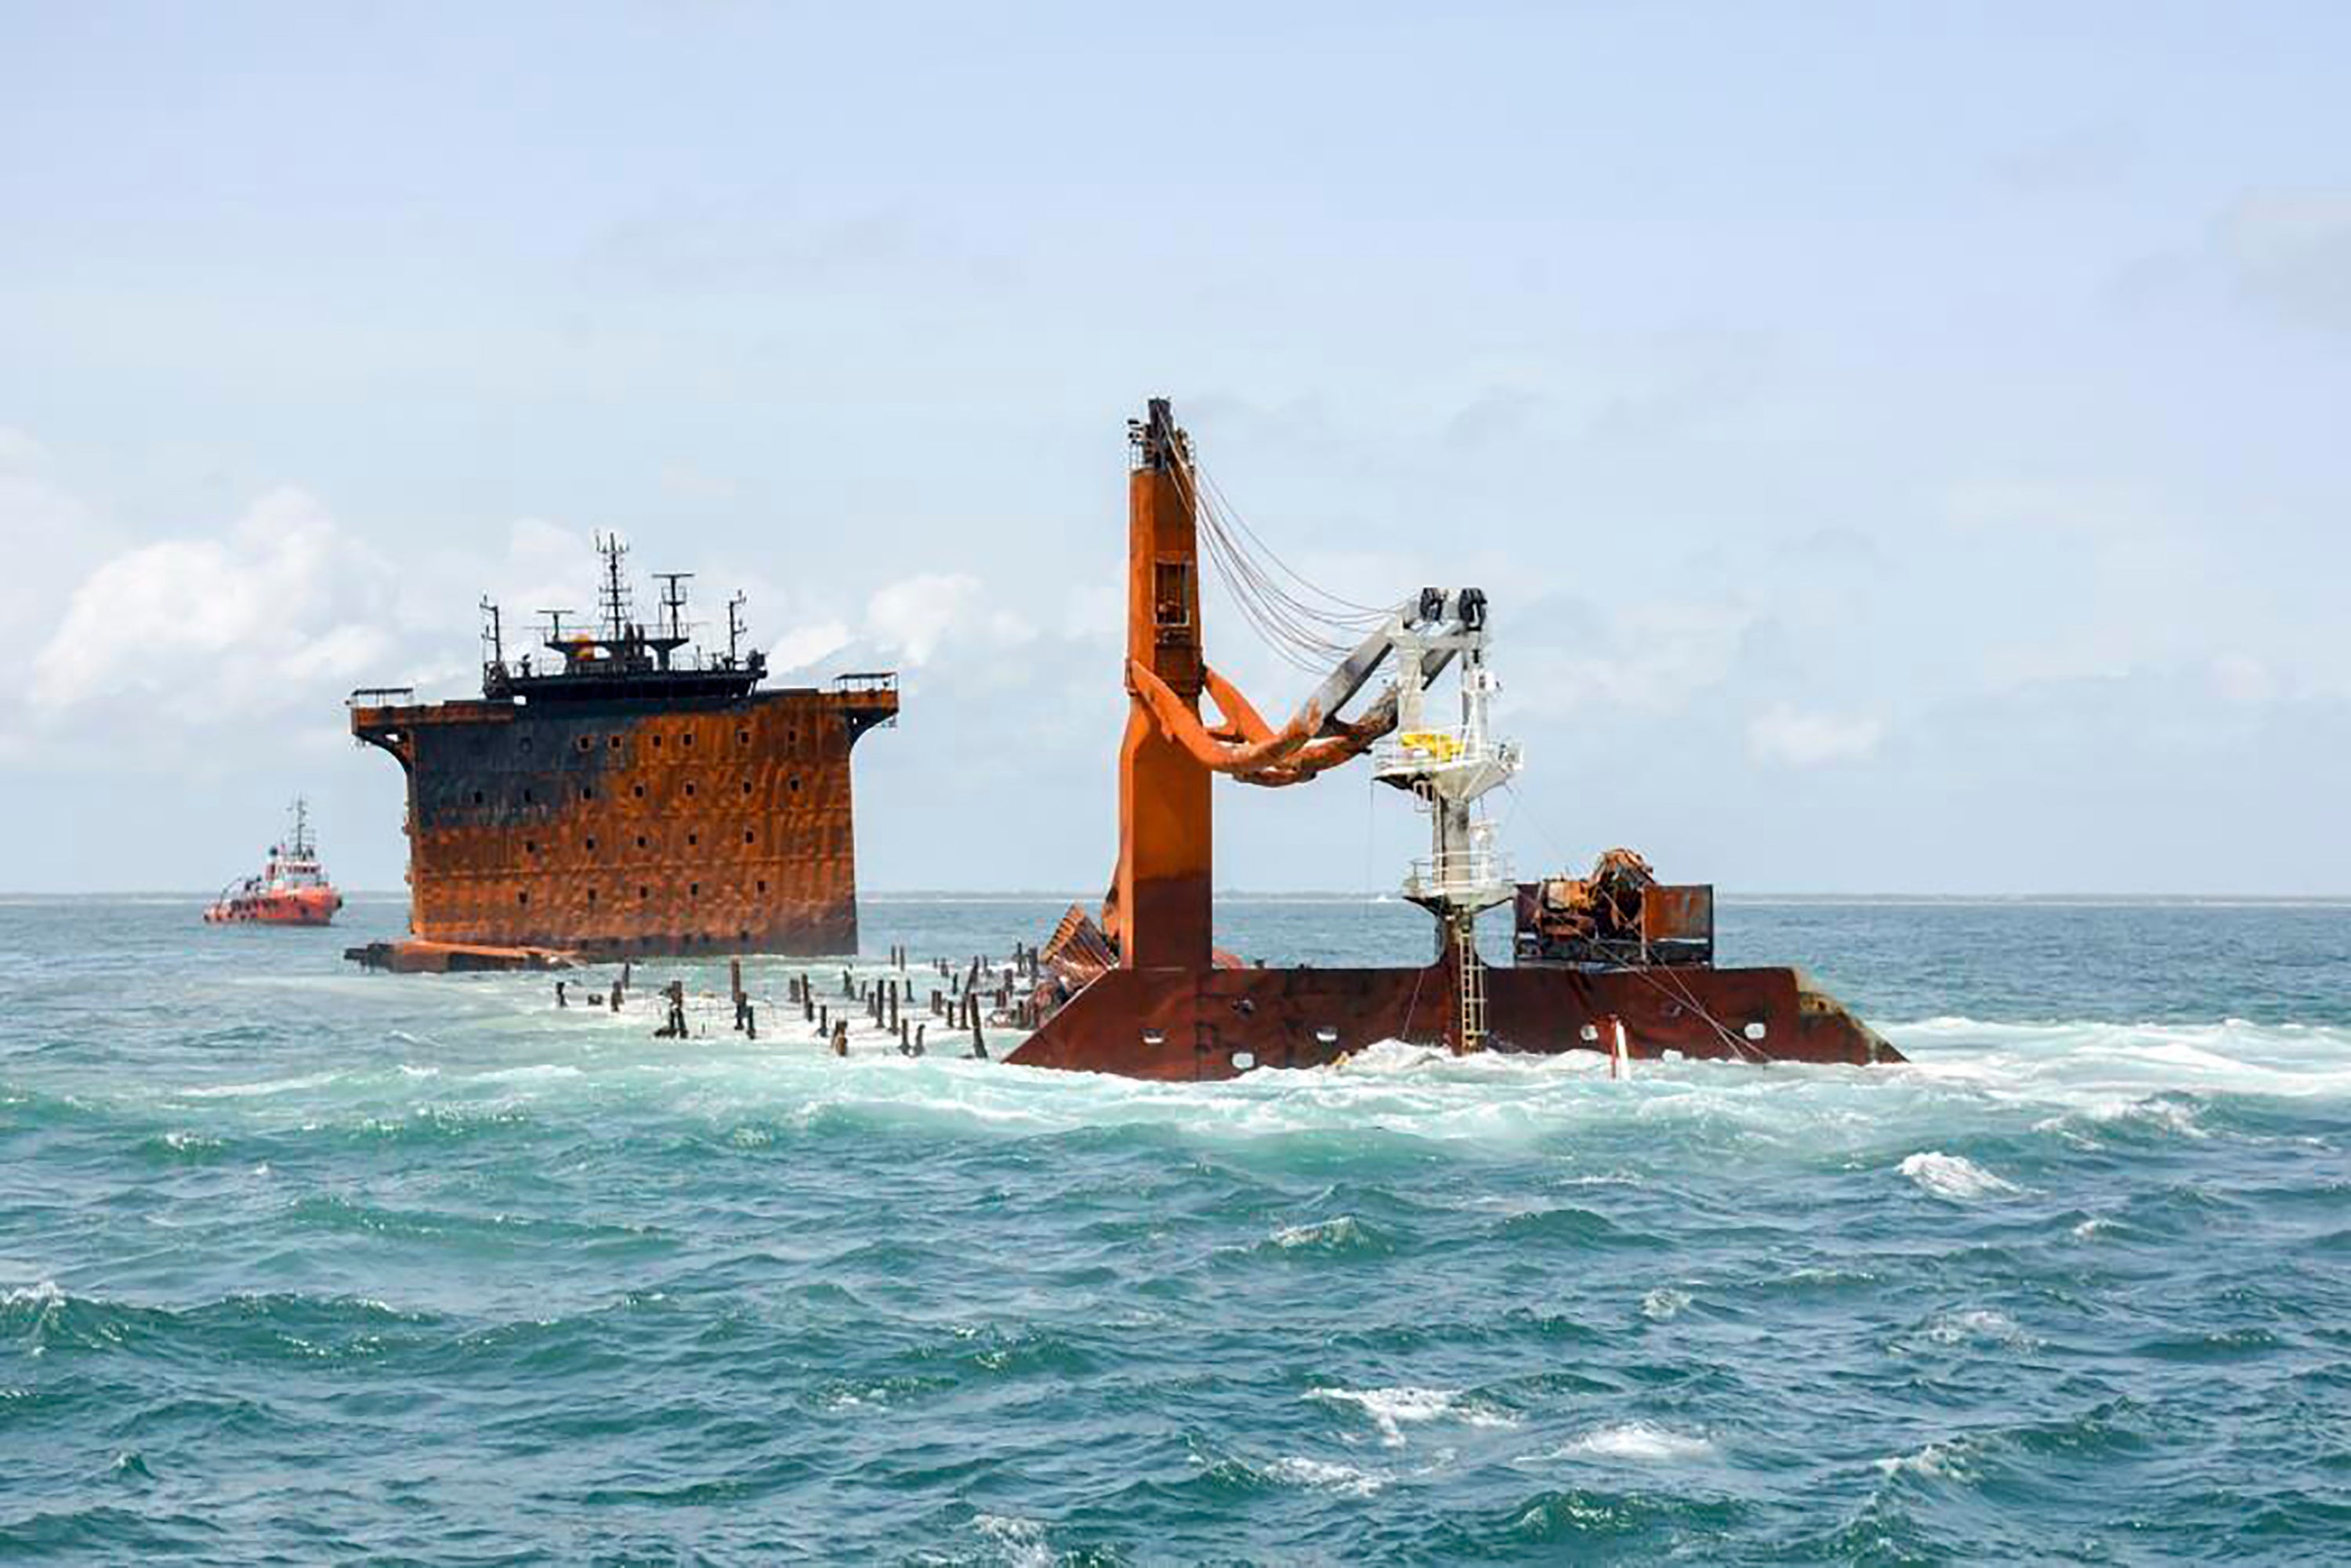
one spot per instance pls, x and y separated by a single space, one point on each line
1903 444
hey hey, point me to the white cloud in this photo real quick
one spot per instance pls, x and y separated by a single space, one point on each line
257 620
1787 737
913 615
1650 658
804 646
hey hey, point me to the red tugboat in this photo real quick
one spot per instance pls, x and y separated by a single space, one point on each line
292 889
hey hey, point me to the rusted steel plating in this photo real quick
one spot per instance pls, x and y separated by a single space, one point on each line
1170 1010
635 800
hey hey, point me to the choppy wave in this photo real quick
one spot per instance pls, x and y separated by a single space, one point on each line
308 1265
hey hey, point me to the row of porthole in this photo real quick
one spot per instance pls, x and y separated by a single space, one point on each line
684 738
645 894
588 841
588 792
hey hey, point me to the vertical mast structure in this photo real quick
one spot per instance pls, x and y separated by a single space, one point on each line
1165 827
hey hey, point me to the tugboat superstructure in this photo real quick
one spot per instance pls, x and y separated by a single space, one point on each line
291 889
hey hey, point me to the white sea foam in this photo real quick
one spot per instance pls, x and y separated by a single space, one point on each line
1664 1303
1640 1442
1953 1176
1976 1325
1342 1231
1018 1541
1392 1409
1936 1462
1320 1475
44 1294
2069 1081
267 1086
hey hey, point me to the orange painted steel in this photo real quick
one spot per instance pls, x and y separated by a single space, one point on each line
1173 1008
292 906
646 827
1167 836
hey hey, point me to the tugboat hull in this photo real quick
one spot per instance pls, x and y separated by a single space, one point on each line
314 906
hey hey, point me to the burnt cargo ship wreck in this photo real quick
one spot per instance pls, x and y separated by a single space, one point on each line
633 796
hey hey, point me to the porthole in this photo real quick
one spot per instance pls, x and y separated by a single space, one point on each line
613 741
686 739
586 741
763 887
742 737
641 840
522 897
657 740
645 893
793 783
694 890
638 790
525 796
689 788
530 846
746 786
587 792
691 840
592 898
749 837
591 842
477 796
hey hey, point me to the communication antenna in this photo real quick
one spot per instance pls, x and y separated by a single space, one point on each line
555 626
734 622
612 596
673 601
494 647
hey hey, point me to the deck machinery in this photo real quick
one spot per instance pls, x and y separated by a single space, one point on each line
1146 993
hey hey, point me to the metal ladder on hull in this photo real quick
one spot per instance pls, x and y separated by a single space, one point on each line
1469 987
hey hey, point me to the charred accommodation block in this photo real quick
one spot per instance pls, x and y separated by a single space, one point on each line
633 795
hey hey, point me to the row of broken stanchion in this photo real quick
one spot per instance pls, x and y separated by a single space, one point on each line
887 1003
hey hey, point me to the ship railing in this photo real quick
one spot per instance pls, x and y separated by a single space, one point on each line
1464 876
866 681
382 696
1422 751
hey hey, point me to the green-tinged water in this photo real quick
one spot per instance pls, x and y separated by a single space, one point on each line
300 1264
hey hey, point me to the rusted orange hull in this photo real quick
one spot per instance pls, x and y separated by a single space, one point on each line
415 958
623 829
1201 1024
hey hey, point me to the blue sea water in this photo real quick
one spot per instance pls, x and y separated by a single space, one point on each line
298 1264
